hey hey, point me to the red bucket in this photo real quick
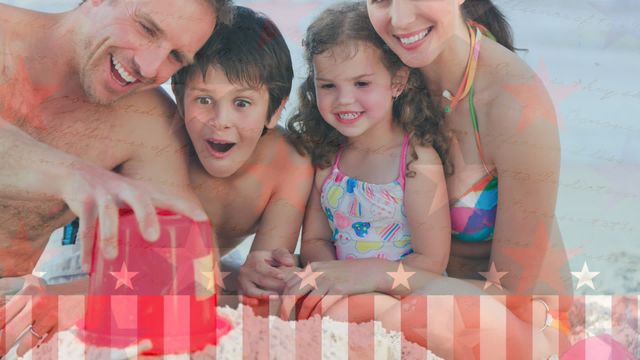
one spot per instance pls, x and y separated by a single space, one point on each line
162 291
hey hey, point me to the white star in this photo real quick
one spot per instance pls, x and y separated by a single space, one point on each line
493 277
308 277
585 277
400 277
124 276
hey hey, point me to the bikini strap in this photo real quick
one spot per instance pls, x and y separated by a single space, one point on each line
403 161
476 130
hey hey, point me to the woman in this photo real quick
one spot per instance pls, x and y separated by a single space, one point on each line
505 153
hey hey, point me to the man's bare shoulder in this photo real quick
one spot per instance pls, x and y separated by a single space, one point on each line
150 118
153 104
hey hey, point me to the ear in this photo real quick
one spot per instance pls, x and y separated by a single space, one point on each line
276 115
399 81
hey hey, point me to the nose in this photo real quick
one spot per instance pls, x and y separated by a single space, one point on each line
151 61
345 96
219 118
400 13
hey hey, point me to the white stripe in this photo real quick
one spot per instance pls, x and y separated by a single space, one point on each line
282 335
239 337
385 349
493 316
65 302
437 307
335 337
597 315
597 322
177 314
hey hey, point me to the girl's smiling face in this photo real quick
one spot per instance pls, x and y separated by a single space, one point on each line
354 90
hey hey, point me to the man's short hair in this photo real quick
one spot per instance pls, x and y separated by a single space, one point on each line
251 51
221 7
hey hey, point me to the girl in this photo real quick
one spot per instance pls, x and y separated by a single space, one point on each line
379 195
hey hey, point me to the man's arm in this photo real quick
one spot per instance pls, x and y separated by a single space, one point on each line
32 170
159 158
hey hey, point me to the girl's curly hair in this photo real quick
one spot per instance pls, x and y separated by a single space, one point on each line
347 24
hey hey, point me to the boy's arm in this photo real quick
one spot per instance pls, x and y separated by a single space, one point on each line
282 218
317 244
279 227
427 208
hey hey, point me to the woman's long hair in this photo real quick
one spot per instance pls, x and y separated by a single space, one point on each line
487 14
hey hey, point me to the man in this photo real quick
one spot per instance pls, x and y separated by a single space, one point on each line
79 107
78 98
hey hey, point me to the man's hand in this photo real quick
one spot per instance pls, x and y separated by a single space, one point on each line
261 275
95 195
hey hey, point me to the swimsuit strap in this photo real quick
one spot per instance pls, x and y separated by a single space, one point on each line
483 29
403 161
334 167
476 130
337 161
469 73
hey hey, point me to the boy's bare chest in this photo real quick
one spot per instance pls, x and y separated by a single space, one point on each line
235 206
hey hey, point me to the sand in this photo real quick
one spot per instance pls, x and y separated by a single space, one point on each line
281 338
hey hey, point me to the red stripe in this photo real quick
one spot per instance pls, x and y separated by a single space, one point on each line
361 308
624 317
309 338
255 331
519 335
577 315
414 319
467 343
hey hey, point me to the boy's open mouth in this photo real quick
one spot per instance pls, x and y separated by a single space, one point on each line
220 146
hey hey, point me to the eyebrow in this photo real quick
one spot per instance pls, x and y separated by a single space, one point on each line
353 78
184 58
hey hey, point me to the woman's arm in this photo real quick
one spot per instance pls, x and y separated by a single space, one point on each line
528 172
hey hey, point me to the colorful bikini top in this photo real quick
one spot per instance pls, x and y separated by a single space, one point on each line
473 215
367 220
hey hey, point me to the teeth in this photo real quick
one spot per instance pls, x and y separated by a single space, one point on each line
414 38
125 75
349 116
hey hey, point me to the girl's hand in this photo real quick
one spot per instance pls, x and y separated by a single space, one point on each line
338 278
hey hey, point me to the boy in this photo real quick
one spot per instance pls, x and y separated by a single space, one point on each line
249 179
